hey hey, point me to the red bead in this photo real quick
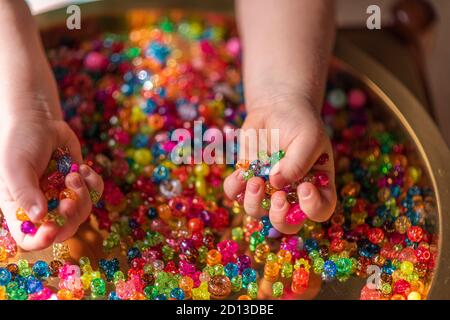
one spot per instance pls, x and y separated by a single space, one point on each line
376 235
415 233
402 287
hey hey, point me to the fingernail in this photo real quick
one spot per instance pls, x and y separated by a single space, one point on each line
75 182
275 170
84 171
253 187
305 192
240 175
34 212
277 203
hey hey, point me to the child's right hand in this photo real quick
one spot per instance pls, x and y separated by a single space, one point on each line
26 145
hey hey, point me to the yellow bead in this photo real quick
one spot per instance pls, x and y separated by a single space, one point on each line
200 186
201 170
2 293
414 295
407 267
21 215
142 156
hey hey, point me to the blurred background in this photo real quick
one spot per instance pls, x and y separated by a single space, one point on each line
413 44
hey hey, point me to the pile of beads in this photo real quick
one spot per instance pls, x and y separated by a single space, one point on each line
53 186
125 94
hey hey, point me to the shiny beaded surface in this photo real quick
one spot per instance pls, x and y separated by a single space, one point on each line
124 94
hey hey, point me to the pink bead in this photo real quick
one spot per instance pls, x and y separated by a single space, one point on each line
295 215
370 294
95 61
233 47
322 179
356 99
74 167
28 227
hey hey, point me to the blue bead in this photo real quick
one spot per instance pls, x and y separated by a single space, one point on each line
158 51
160 173
150 106
161 297
329 269
34 285
113 296
5 276
140 141
177 293
248 276
52 204
41 269
64 163
231 270
310 245
152 213
133 253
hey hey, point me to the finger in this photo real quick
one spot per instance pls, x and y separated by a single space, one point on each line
93 180
254 194
43 238
248 144
24 189
71 141
75 211
300 157
317 203
234 184
277 214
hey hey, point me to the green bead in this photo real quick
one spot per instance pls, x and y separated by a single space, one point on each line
133 52
202 253
318 264
277 289
252 290
236 283
166 25
98 287
286 270
344 266
118 275
168 252
272 257
265 204
237 234
276 157
150 292
248 175
218 270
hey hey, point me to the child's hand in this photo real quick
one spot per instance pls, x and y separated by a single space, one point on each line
31 128
303 138
26 146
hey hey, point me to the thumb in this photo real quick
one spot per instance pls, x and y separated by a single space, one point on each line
299 159
24 189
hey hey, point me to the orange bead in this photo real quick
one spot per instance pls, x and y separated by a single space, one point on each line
67 194
64 294
244 297
21 215
213 257
164 212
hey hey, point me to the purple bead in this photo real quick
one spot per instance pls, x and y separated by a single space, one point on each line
274 233
244 262
28 227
